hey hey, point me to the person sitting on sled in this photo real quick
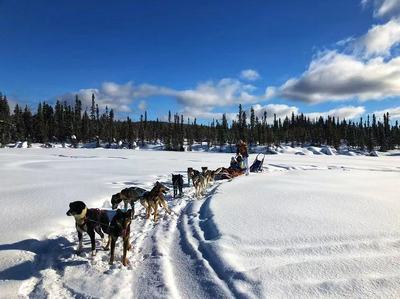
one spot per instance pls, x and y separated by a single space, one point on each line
236 162
243 151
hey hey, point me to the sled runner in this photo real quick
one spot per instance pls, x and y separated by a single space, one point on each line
257 164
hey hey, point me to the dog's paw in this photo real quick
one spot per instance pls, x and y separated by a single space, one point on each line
78 250
125 262
93 253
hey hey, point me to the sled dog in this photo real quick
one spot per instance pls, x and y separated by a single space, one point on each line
154 198
128 196
89 221
210 175
177 183
120 226
199 182
190 173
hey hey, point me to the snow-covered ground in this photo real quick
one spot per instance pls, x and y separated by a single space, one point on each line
228 148
310 226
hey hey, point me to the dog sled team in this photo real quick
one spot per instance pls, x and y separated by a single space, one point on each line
92 221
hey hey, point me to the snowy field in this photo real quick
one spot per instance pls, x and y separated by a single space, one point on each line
310 226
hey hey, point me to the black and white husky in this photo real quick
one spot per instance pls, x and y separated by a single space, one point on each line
89 221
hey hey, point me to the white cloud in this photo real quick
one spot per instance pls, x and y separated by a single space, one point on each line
225 92
364 3
205 113
281 111
270 92
201 101
368 68
112 95
119 97
348 112
333 76
394 112
250 75
380 39
383 8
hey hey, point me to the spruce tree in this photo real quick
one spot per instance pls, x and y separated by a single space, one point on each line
252 126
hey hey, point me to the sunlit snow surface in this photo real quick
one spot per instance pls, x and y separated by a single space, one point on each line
310 226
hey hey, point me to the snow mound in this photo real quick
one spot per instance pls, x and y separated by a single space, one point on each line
374 154
327 150
314 150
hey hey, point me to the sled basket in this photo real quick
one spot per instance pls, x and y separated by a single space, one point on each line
257 165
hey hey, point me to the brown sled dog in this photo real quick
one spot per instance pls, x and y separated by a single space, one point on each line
199 182
128 196
120 226
210 174
154 198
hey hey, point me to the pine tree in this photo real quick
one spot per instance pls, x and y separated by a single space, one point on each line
5 125
252 126
77 118
85 130
17 119
243 126
4 108
141 130
28 124
181 135
189 134
40 130
168 137
111 126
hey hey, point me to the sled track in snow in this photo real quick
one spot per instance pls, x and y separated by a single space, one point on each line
153 247
197 231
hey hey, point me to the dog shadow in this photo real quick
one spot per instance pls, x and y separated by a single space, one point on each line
49 253
127 183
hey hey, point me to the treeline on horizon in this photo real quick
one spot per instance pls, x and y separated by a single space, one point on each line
65 122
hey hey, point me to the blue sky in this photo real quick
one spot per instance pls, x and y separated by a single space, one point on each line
202 58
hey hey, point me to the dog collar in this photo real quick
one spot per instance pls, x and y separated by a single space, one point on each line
81 219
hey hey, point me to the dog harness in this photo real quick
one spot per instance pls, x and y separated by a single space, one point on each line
86 219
